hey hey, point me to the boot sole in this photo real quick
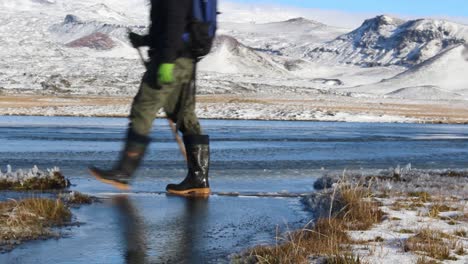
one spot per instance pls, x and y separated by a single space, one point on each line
116 184
192 192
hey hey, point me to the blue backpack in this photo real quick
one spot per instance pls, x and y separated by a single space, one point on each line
202 29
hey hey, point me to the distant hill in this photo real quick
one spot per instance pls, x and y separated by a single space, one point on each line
384 40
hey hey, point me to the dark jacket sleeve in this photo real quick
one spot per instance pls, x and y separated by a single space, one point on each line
173 28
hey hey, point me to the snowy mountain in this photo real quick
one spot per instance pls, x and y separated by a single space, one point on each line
81 48
293 37
385 40
231 56
441 77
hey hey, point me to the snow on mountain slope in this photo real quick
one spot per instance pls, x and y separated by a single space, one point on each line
81 47
424 92
293 37
441 77
73 28
385 40
36 59
230 56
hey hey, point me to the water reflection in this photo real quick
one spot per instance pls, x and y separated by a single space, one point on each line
132 228
187 239
188 229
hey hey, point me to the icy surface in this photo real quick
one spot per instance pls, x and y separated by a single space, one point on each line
248 157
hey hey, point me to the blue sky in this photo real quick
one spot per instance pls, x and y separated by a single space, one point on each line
452 8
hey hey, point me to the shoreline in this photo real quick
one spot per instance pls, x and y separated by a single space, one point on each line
255 108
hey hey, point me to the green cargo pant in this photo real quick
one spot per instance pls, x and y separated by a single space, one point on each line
177 99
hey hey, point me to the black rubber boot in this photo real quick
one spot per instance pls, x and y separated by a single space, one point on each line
130 159
198 162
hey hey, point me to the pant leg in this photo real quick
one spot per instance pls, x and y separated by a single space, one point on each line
150 100
180 107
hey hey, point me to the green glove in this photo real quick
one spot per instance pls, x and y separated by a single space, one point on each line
166 73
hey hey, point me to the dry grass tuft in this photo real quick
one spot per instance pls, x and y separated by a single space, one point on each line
31 218
327 237
460 251
425 260
343 259
422 196
359 211
79 198
438 208
456 174
405 231
460 232
352 208
434 243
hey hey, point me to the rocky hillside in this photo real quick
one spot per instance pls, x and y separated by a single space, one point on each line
385 40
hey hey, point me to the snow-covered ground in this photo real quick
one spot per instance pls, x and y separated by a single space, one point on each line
413 202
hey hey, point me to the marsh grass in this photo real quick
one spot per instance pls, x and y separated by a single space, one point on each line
460 232
424 197
343 259
425 260
433 243
327 237
359 211
77 198
352 208
437 208
31 218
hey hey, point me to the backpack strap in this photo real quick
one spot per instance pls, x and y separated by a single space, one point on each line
199 9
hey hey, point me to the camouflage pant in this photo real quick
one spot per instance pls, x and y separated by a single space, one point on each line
177 99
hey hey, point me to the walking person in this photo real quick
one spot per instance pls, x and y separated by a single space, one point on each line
181 32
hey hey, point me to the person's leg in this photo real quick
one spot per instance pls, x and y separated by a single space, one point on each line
182 112
145 106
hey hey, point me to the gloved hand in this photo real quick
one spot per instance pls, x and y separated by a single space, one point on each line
166 73
136 40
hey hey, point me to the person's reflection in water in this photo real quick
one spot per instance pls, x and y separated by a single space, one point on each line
132 227
188 244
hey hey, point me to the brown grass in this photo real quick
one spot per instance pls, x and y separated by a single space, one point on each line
327 237
78 198
460 232
434 243
438 208
359 210
343 259
354 209
31 218
460 250
422 196
425 260
411 204
405 231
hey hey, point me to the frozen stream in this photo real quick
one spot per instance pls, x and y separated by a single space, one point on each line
247 157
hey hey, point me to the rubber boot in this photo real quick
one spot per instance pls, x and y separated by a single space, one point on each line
130 159
198 161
